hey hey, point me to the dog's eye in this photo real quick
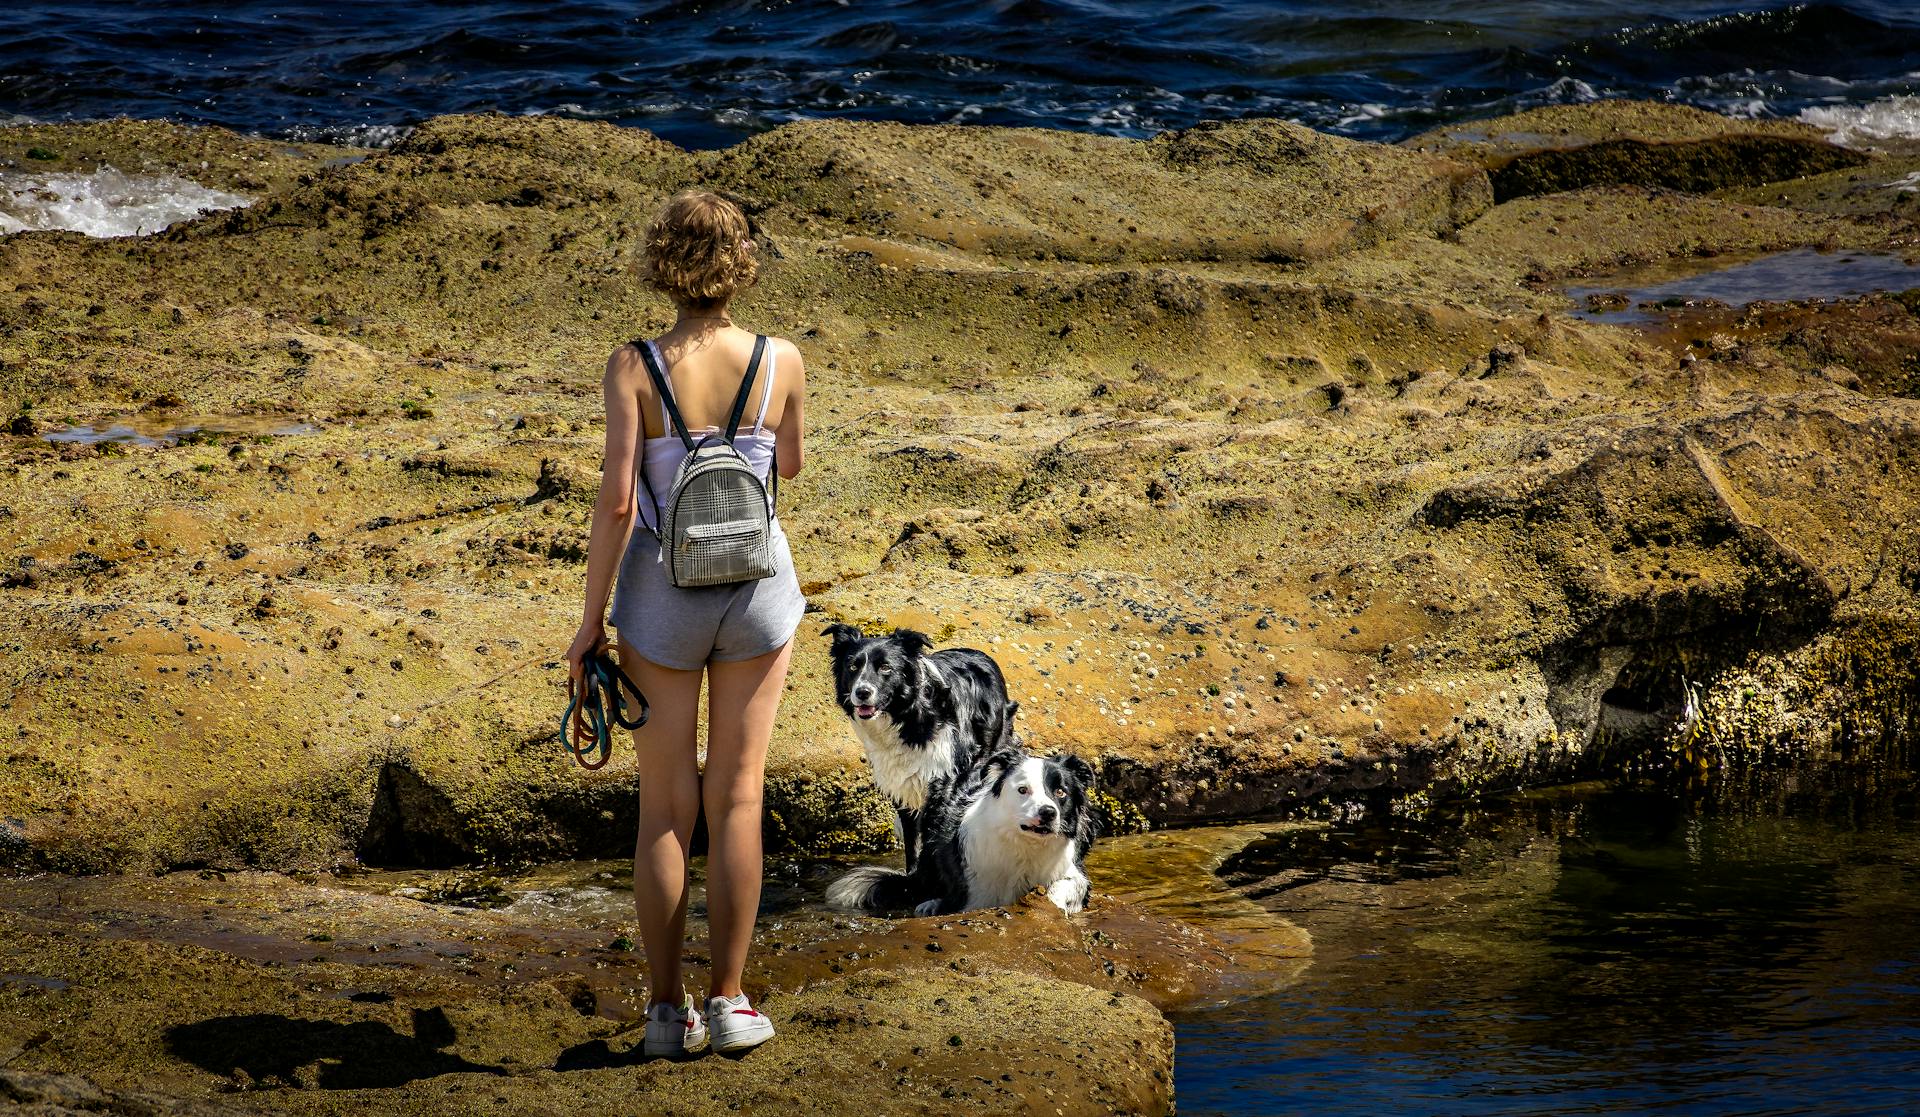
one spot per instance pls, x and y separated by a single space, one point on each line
1025 790
886 670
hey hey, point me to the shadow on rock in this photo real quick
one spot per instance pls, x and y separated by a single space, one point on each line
280 1050
595 1054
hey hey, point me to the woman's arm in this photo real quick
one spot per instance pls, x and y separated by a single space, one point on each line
786 437
613 509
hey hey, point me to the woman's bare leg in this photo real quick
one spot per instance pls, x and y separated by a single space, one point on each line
742 699
669 806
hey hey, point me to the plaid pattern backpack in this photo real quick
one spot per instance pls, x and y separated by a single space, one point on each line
716 525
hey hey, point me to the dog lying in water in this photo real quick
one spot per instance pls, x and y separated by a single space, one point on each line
1015 822
922 718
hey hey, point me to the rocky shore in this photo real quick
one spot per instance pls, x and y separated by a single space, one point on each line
1272 466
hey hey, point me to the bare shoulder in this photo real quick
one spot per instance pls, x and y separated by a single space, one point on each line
624 366
791 363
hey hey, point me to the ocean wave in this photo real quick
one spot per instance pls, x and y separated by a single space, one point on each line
705 73
104 203
1890 118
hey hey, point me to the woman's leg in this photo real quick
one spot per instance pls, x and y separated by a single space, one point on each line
742 698
669 806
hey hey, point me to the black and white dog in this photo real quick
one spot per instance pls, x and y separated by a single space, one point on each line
1017 822
922 719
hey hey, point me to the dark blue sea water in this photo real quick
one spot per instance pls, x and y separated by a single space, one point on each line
705 73
1611 952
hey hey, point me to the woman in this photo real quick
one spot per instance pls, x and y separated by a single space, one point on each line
698 253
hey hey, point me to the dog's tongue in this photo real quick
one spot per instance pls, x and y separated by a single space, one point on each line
864 711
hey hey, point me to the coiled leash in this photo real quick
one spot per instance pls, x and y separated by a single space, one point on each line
594 703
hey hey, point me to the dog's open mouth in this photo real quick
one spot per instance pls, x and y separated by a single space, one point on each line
1036 828
865 712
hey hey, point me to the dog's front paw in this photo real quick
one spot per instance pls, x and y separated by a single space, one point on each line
1069 894
931 907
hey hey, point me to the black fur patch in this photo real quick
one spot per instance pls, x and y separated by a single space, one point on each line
956 699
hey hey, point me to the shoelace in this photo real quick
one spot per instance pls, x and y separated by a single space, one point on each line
594 705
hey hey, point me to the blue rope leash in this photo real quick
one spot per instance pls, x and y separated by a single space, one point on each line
595 705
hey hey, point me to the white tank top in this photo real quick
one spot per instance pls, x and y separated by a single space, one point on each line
661 456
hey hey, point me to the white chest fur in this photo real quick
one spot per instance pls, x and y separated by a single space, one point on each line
1004 864
902 772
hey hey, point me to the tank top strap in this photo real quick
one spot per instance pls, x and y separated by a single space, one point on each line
766 392
666 374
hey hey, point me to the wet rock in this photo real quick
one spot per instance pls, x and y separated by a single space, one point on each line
1620 143
404 1004
1699 167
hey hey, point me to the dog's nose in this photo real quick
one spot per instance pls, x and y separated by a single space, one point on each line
863 694
1048 813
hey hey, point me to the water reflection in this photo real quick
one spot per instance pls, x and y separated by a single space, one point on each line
1647 295
1589 951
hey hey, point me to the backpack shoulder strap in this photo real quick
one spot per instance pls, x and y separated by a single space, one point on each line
662 386
746 386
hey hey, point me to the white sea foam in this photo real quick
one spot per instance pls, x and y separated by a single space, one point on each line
105 203
350 135
1360 114
1563 91
1889 118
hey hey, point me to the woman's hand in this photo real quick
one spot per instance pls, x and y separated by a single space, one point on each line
591 638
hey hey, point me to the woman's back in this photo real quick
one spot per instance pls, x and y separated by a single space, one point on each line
705 373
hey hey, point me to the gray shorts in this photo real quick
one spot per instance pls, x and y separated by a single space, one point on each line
684 628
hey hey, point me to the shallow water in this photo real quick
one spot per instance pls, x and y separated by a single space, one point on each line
147 434
1800 275
1585 951
705 74
1167 874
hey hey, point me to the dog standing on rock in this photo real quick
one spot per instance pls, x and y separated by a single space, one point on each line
922 718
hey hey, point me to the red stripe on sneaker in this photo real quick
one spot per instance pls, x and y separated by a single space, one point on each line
744 1012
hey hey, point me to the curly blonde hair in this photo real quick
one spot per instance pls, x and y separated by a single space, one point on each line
700 249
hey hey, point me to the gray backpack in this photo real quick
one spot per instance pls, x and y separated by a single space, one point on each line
716 526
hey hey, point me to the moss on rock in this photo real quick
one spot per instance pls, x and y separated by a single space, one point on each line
1153 423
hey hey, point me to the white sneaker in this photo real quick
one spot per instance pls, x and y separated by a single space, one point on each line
737 1025
673 1031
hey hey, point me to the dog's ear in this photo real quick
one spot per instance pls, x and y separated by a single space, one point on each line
1081 770
843 634
995 766
912 642
1009 735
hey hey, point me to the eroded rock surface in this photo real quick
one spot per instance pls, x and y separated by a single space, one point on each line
251 993
1267 463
